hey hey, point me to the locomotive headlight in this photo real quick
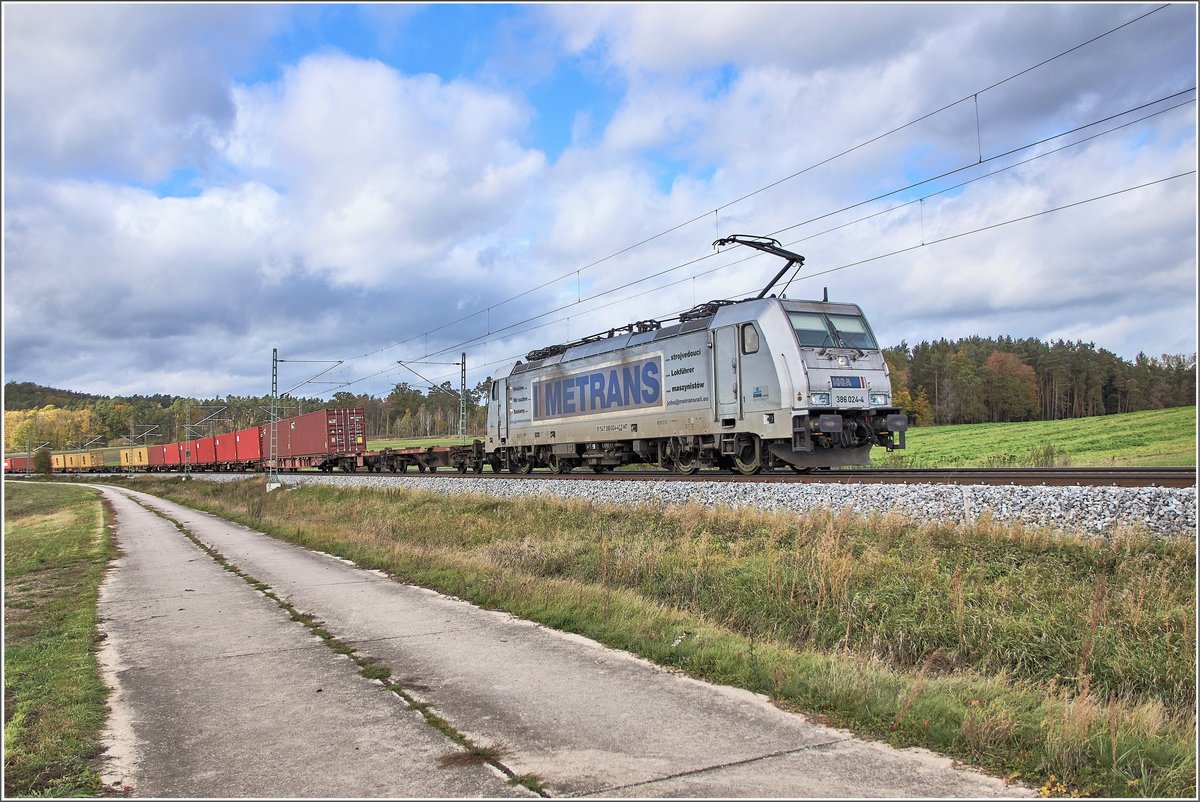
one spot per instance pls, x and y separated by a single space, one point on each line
819 399
879 399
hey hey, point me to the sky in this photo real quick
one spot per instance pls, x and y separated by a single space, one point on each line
188 187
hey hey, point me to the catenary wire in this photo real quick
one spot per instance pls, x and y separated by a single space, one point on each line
491 335
972 95
899 251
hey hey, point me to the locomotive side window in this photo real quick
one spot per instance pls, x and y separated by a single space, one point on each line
810 329
749 339
852 330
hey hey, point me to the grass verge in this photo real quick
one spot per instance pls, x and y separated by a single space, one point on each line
56 547
1029 654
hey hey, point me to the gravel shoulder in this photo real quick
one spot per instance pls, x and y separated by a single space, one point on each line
1088 511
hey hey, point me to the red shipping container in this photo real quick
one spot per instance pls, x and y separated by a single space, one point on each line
327 431
17 464
172 453
202 452
156 456
248 443
226 447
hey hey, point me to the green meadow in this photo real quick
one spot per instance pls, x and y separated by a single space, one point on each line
1158 438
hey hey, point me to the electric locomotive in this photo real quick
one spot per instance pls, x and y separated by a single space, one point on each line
761 383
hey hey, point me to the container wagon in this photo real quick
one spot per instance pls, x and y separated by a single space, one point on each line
326 439
18 465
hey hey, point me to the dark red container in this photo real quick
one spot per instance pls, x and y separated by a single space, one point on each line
249 444
155 456
203 452
328 431
17 464
226 447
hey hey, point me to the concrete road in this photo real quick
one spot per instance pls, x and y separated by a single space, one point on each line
219 687
219 693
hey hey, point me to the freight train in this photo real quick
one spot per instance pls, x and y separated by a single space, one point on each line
763 383
327 439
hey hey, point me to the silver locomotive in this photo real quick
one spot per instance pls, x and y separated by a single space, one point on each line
762 383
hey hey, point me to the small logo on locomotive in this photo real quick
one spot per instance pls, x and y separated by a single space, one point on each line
855 382
615 388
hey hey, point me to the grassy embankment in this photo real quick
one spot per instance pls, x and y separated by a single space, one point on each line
1158 438
1029 654
55 550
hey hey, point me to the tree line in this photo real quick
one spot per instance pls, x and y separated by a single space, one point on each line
980 380
972 380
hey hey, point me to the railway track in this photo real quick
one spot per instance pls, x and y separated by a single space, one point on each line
1053 477
1050 477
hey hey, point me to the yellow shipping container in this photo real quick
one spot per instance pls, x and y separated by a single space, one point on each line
57 462
135 457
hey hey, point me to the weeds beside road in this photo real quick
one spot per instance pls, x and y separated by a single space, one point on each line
55 550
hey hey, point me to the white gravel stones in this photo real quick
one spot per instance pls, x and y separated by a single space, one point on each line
1096 511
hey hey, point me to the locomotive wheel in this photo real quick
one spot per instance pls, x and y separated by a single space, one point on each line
521 465
687 464
479 467
748 460
559 465
462 467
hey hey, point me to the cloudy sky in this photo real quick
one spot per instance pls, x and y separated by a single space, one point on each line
187 187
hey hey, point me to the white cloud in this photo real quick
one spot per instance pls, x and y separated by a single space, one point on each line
382 173
658 37
121 91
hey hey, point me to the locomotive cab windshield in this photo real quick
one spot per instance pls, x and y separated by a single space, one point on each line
818 330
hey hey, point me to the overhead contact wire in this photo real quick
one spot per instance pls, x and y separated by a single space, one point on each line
959 235
774 183
488 337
